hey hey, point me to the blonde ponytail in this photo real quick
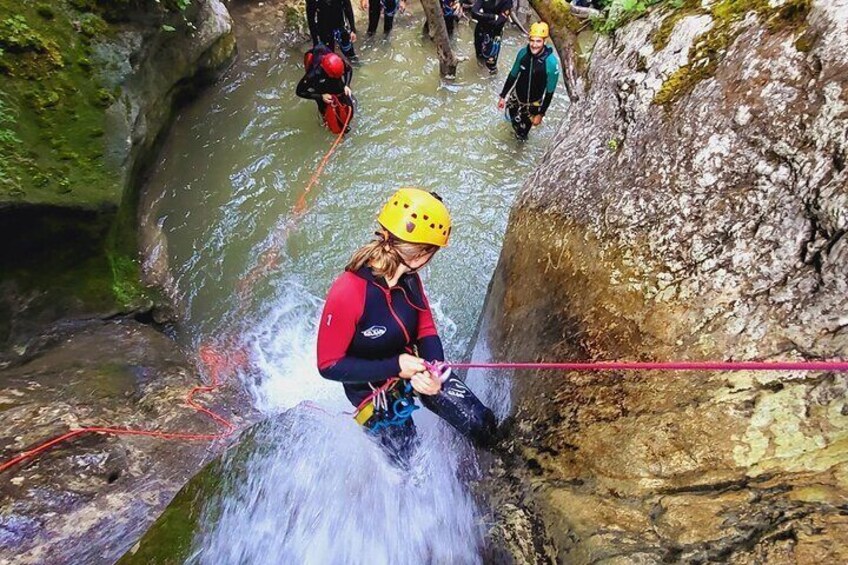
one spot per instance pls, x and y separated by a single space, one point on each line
385 254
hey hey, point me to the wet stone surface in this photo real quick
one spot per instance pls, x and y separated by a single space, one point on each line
88 499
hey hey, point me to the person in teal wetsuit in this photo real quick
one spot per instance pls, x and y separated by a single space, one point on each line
531 83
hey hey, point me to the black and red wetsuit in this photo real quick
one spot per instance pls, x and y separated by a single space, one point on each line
364 329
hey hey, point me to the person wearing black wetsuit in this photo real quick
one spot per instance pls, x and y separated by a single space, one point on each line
531 83
327 78
451 12
377 329
326 20
491 16
388 7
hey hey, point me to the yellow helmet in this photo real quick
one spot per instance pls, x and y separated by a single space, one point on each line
539 29
416 216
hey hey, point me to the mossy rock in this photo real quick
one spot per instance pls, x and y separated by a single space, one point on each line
710 48
92 25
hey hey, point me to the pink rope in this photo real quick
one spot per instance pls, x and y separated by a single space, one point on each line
839 365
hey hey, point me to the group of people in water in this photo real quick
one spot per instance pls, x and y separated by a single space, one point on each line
525 96
377 335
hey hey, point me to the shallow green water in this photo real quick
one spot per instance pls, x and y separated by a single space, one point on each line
239 158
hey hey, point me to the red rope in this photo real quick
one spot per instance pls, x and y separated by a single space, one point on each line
216 365
840 366
208 355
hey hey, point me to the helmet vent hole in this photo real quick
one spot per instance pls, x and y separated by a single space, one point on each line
441 226
406 205
433 226
414 216
426 217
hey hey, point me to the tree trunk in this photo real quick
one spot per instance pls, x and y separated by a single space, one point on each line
439 34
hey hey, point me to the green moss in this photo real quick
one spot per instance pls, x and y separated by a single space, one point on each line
790 15
52 123
56 105
126 285
710 48
45 11
104 98
660 37
806 41
92 25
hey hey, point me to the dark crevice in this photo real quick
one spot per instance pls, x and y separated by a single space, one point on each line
839 161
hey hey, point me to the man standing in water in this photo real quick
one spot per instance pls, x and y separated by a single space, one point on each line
491 16
326 20
534 76
389 9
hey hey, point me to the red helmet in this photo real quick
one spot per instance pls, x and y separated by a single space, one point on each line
332 65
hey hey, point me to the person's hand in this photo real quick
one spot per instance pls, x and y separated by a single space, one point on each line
425 383
348 91
537 119
501 103
410 365
353 37
363 4
327 98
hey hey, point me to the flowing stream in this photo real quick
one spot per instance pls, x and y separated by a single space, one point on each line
314 488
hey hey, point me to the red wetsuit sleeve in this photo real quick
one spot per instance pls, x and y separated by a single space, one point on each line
342 310
426 324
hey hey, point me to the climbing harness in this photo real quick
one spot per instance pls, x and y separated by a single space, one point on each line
388 405
491 47
347 46
390 12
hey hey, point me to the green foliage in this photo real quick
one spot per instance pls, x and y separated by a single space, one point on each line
16 35
619 12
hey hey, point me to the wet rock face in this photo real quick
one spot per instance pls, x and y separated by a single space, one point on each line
88 500
76 254
154 70
693 206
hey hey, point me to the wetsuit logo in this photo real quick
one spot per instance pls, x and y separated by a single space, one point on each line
374 332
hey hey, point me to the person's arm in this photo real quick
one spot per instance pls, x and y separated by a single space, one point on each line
311 19
479 14
552 68
503 12
513 73
305 89
348 12
348 73
343 308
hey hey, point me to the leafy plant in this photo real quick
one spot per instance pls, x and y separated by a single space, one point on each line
619 12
